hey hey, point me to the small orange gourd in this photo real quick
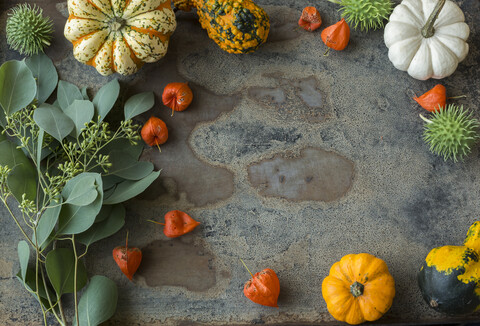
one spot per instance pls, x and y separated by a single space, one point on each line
359 288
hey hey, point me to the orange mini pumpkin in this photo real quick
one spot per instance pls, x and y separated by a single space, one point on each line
359 288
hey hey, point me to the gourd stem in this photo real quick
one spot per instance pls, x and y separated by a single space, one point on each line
428 30
425 119
356 289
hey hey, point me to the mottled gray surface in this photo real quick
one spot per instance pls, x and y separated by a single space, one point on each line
248 109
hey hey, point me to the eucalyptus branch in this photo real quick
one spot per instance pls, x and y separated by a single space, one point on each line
75 279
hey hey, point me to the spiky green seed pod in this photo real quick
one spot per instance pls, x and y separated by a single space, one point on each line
367 14
451 132
28 32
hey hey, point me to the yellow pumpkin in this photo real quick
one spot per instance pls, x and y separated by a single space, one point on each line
237 26
359 288
119 35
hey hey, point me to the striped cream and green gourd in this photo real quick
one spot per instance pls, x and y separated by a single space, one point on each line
119 35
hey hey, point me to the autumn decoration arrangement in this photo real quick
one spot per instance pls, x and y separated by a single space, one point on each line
69 171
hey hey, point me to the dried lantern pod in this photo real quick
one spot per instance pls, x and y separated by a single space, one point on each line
310 19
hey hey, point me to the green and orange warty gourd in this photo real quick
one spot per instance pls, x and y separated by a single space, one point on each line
359 288
237 26
119 35
449 278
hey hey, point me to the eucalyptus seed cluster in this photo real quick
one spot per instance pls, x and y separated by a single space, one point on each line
28 32
4 172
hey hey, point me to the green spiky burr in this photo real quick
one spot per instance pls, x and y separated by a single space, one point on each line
28 32
366 14
451 132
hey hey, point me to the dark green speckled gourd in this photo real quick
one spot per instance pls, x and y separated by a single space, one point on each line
237 26
449 278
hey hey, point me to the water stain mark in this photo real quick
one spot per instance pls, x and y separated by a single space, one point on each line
306 99
176 263
315 174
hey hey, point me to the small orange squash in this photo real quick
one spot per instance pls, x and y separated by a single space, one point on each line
359 288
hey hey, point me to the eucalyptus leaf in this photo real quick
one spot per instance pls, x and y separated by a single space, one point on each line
98 302
129 189
23 257
17 86
3 119
44 71
115 219
81 190
53 121
127 167
85 94
67 93
30 283
77 219
110 181
106 98
47 222
60 266
122 144
80 112
41 134
22 178
138 103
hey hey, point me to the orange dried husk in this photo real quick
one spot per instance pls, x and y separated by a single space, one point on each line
433 100
128 259
178 223
154 132
263 288
336 36
310 19
177 96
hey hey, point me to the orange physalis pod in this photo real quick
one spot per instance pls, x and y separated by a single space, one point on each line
154 132
128 259
310 19
177 96
177 223
336 36
433 100
263 288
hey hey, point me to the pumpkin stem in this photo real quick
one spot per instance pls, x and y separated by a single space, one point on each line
428 30
117 24
356 289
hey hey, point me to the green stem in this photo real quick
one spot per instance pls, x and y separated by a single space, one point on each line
50 300
246 267
18 224
36 278
356 289
428 30
75 280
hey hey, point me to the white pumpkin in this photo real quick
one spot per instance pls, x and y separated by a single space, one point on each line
423 52
119 35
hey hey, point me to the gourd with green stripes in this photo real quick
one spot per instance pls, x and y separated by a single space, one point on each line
449 278
119 35
237 26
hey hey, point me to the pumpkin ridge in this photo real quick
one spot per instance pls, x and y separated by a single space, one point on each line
75 43
99 9
150 32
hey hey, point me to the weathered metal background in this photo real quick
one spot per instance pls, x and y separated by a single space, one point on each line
290 160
